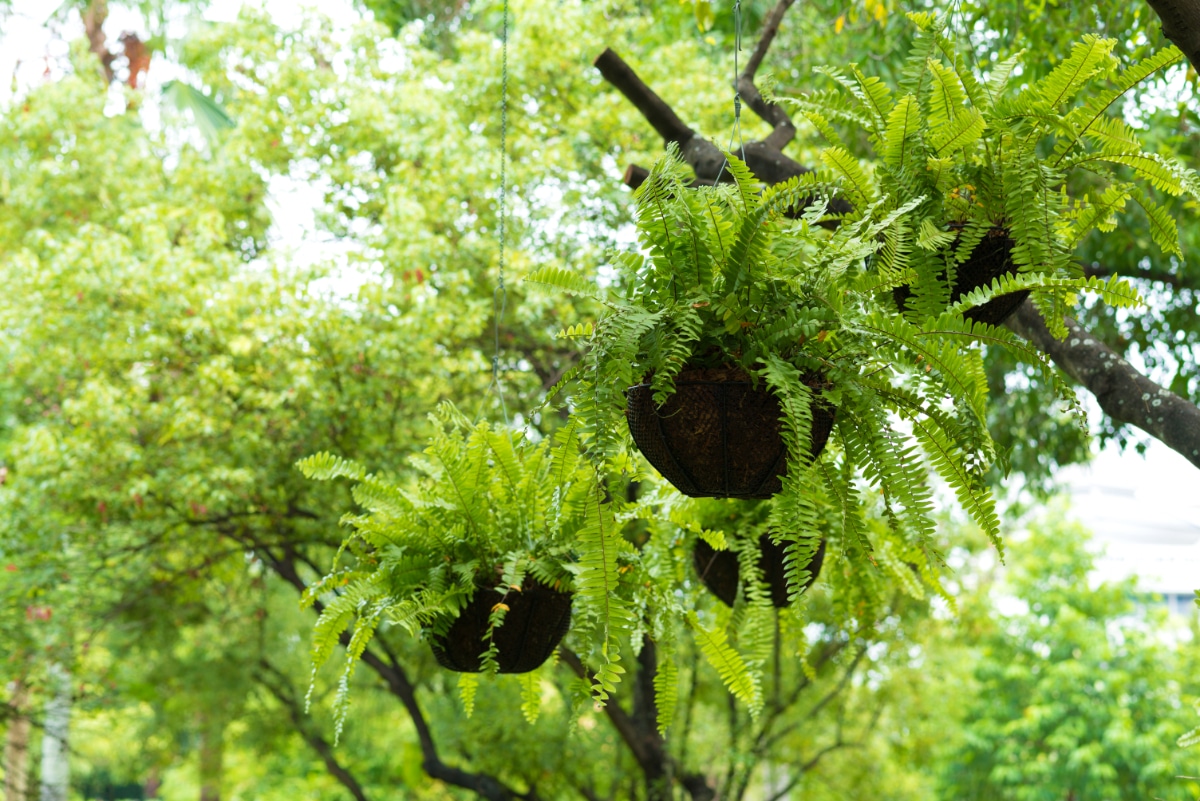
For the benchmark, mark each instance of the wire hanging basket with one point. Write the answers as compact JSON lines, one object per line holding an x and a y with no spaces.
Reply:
{"x":990,"y":259}
{"x":718,"y":570}
{"x":718,"y":436}
{"x":537,"y":619}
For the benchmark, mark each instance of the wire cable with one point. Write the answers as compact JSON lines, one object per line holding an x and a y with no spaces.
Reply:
{"x":500,"y":294}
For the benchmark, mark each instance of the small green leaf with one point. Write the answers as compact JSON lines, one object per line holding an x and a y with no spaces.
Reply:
{"x":209,"y":116}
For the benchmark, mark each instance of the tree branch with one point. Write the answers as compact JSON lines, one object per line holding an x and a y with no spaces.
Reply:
{"x":1181,"y":24}
{"x":774,"y":114}
{"x":664,"y":119}
{"x":649,"y":752}
{"x":1156,"y":274}
{"x":705,"y":158}
{"x":279,"y":686}
{"x":94,"y":15}
{"x":1125,"y":395}
{"x":397,"y":681}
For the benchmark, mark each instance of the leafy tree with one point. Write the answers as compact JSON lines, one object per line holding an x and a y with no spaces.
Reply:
{"x":1078,"y":691}
{"x":164,"y":370}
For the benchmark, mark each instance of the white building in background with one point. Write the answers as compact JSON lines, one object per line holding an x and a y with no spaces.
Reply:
{"x":1145,"y":515}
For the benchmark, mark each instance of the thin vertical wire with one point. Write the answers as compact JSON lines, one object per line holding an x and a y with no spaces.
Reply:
{"x":737,"y":94}
{"x":500,"y":294}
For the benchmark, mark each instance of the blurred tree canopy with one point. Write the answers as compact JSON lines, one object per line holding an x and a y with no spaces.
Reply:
{"x":164,"y":362}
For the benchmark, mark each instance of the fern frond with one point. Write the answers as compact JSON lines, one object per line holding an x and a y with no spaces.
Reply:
{"x":1087,"y":58}
{"x":326,"y":467}
{"x":903,"y":122}
{"x":728,"y":663}
{"x":468,"y":685}
{"x":971,"y":491}
{"x":666,"y":689}
{"x":1093,"y":113}
{"x":531,"y":695}
{"x":858,"y":186}
{"x":564,"y":280}
{"x":1162,"y":225}
{"x":963,"y":131}
{"x":946,"y":96}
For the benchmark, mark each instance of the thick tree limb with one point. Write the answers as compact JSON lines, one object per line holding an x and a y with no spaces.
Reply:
{"x":278,"y":686}
{"x":657,"y":113}
{"x":94,"y":15}
{"x":1181,"y":24}
{"x":397,"y":682}
{"x":784,"y":131}
{"x":705,"y":158}
{"x":647,"y":746}
{"x":1156,"y":274}
{"x":1125,"y":395}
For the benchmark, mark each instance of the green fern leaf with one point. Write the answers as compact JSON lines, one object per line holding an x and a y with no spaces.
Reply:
{"x":728,"y":663}
{"x":531,"y":695}
{"x":326,"y":467}
{"x":903,"y":122}
{"x":1087,"y":58}
{"x":966,"y":128}
{"x":468,"y":684}
{"x":666,"y":689}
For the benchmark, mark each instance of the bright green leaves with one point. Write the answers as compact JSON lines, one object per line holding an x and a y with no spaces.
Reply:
{"x":483,"y":505}
{"x":666,"y":692}
{"x":946,"y":96}
{"x":903,"y":122}
{"x":468,"y":686}
{"x":860,"y":188}
{"x":209,"y":116}
{"x":959,"y":133}
{"x":597,"y":582}
{"x":1089,"y":57}
{"x":326,"y":467}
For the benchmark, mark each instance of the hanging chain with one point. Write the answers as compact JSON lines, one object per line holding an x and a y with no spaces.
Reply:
{"x":737,"y":95}
{"x":500,"y":295}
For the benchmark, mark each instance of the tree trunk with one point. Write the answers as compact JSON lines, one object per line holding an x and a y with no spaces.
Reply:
{"x":153,"y":783}
{"x":55,"y":752}
{"x":16,"y":747}
{"x":212,"y":756}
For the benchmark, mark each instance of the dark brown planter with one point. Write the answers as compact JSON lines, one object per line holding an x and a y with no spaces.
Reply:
{"x":719,"y":570}
{"x":991,"y":259}
{"x":537,"y":620}
{"x":718,"y":436}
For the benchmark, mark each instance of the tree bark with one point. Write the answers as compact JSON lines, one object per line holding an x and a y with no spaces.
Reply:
{"x":94,"y":15}
{"x":212,"y":755}
{"x":644,"y":742}
{"x":16,"y":746}
{"x":1181,"y":24}
{"x":1125,"y":395}
{"x":55,"y":753}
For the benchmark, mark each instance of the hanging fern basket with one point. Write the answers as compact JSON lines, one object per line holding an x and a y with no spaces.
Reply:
{"x":537,"y":619}
{"x":990,"y":259}
{"x":719,"y":570}
{"x":719,"y":435}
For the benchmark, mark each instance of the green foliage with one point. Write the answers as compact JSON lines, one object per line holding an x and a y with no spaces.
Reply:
{"x":973,"y":159}
{"x":731,"y":280}
{"x":486,"y":508}
{"x":1078,"y":689}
